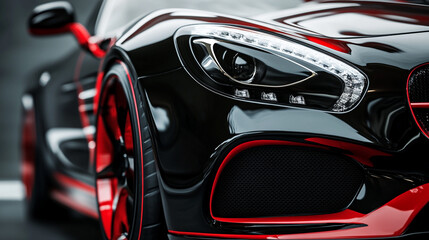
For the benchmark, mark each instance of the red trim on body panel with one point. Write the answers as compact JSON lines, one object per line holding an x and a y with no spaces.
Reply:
{"x":140,"y":139}
{"x":64,"y":199}
{"x":358,"y":152}
{"x":390,"y":220}
{"x":413,"y":105}
{"x":346,"y":216}
{"x":68,"y":198}
{"x":73,"y":183}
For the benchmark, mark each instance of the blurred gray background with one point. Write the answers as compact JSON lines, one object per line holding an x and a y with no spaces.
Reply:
{"x":20,"y":55}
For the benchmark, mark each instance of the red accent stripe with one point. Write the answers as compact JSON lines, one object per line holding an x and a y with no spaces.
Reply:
{"x":140,"y":138}
{"x":73,"y":183}
{"x":411,"y":104}
{"x":390,"y":220}
{"x":333,"y":44}
{"x":346,"y":216}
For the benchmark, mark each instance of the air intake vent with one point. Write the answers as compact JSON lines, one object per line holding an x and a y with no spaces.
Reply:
{"x":282,"y":180}
{"x":418,"y":97}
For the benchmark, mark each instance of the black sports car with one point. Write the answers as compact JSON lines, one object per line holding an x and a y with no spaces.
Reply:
{"x":307,"y":123}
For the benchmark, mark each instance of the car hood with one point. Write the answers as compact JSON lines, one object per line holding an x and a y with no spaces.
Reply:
{"x":352,"y":19}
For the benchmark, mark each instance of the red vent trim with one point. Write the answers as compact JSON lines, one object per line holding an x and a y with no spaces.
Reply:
{"x":390,"y":220}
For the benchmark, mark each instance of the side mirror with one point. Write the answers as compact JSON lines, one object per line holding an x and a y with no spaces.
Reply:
{"x":51,"y":18}
{"x":57,"y":18}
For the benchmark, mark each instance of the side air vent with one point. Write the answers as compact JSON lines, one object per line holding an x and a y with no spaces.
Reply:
{"x":280,"y":180}
{"x":418,"y":96}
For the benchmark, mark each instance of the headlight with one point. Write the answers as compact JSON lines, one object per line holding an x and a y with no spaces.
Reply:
{"x":256,"y":66}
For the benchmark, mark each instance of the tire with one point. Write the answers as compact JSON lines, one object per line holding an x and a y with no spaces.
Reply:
{"x":127,"y":190}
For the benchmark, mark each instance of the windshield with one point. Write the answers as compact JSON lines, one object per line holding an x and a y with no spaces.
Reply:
{"x":117,"y":13}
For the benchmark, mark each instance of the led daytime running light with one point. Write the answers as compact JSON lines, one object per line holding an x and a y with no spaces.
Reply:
{"x":354,"y":80}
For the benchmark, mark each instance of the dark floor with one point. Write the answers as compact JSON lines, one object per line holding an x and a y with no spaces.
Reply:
{"x":15,"y":226}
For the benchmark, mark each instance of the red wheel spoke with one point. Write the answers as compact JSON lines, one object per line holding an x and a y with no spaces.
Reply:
{"x":111,"y":118}
{"x":120,"y":226}
{"x":104,"y":151}
{"x":106,"y":192}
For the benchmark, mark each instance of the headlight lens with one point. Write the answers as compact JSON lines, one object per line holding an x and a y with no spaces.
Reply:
{"x":269,"y":68}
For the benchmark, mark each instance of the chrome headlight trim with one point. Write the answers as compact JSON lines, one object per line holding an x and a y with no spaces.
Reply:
{"x":355,"y":82}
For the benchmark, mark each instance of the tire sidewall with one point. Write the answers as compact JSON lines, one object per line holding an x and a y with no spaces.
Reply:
{"x":120,"y":73}
{"x":148,"y":220}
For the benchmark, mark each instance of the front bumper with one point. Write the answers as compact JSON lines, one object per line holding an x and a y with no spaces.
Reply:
{"x":193,"y":138}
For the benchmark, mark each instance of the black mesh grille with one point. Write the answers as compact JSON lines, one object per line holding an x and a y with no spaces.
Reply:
{"x":270,"y":181}
{"x":423,"y":117}
{"x":418,"y":91}
{"x":418,"y":85}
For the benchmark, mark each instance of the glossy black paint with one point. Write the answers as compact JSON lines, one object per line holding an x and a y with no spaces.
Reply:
{"x":52,"y":15}
{"x":193,"y":127}
{"x":192,"y":135}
